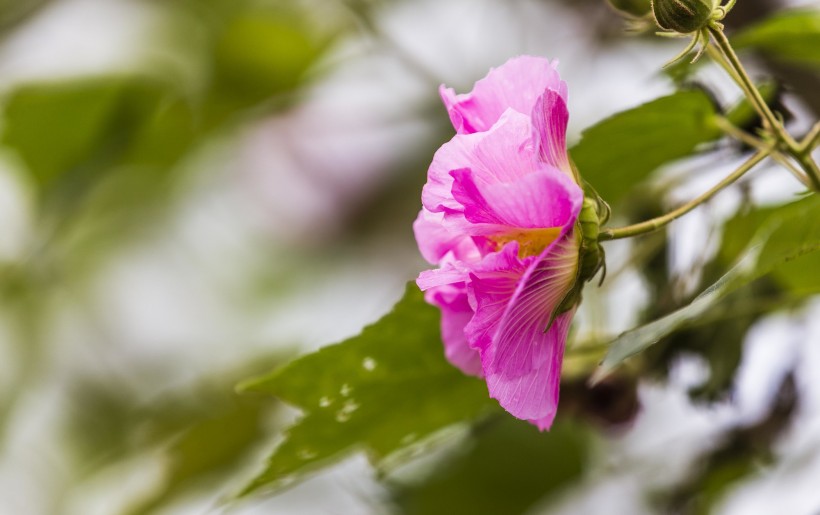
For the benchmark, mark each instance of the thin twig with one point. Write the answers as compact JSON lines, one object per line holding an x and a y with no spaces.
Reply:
{"x":656,"y":223}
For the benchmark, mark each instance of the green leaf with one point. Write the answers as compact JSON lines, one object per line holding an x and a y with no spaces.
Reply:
{"x":58,"y":127}
{"x":260,"y":54}
{"x":786,"y":241}
{"x":634,"y":8}
{"x":624,"y":149}
{"x":210,"y":448}
{"x":792,"y":36}
{"x":381,"y":391}
{"x":510,"y":467}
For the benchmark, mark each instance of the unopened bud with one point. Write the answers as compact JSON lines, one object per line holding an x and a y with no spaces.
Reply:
{"x":682,"y":16}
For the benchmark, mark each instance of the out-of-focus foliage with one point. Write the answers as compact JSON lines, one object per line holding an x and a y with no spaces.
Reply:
{"x":637,"y":8}
{"x":505,"y":455}
{"x":103,"y":157}
{"x":792,"y":36}
{"x":744,"y":451}
{"x":621,"y":151}
{"x":358,"y":394}
{"x":12,"y":12}
{"x":788,"y":238}
{"x":202,"y":431}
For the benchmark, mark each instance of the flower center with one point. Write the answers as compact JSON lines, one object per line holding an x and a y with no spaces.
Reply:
{"x":531,"y":241}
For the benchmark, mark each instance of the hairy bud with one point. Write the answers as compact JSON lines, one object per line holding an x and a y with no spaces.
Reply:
{"x":682,"y":16}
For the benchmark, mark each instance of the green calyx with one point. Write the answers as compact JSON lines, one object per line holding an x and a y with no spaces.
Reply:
{"x":683,"y":16}
{"x":591,"y":258}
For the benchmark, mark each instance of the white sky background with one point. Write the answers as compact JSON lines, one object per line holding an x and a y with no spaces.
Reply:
{"x":171,"y":299}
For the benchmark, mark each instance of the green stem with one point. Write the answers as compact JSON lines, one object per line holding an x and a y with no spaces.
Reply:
{"x":727,"y":127}
{"x":656,"y":223}
{"x":738,"y":73}
{"x":749,"y":88}
{"x":807,"y":163}
{"x":811,"y":140}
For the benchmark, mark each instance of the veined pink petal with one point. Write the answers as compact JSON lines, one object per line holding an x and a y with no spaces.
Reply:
{"x":543,"y":199}
{"x":457,"y":153}
{"x":550,"y":117}
{"x":436,"y":240}
{"x":491,"y":285}
{"x":455,"y":314}
{"x":533,"y":396}
{"x":502,"y":154}
{"x":516,"y":84}
{"x":450,"y":272}
{"x":522,"y":362}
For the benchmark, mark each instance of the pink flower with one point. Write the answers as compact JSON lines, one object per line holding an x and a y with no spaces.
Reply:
{"x":499,"y":220}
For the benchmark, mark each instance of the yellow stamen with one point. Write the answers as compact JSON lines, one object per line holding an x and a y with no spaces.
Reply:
{"x":532,"y":241}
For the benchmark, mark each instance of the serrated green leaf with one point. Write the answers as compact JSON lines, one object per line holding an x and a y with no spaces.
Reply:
{"x":792,"y":36}
{"x":622,"y":150}
{"x":788,"y":238}
{"x":381,"y":391}
{"x":510,"y":468}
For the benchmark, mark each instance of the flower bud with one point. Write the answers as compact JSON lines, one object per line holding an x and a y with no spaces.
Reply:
{"x":682,"y":16}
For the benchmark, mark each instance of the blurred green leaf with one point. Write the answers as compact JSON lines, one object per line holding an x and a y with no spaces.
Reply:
{"x":208,"y":448}
{"x":261,"y":54}
{"x":744,"y":115}
{"x":15,"y":12}
{"x":792,"y":36}
{"x":785,"y":241}
{"x":636,"y":8}
{"x":509,"y":469}
{"x":58,"y":127}
{"x":381,"y":391}
{"x":622,"y":150}
{"x":95,"y":128}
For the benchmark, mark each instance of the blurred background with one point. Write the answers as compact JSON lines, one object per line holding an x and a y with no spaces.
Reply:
{"x":195,"y":191}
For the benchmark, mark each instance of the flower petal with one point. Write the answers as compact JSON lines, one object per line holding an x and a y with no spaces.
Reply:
{"x":456,"y":153}
{"x":533,"y":395}
{"x":504,"y":153}
{"x":490,"y":287}
{"x":550,"y":118}
{"x":455,"y":314}
{"x":522,"y":361}
{"x":450,"y":272}
{"x":516,"y":84}
{"x":540,"y":200}
{"x":436,"y":240}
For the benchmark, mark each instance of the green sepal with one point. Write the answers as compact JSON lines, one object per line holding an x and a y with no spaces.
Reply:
{"x":591,"y":258}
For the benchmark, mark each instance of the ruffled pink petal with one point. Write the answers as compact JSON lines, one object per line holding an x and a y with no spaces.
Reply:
{"x":436,"y":240}
{"x":550,"y":117}
{"x":533,"y":396}
{"x":455,"y":314}
{"x":516,"y":84}
{"x":450,"y":272}
{"x":456,"y":153}
{"x":490,"y":287}
{"x":522,"y":362}
{"x":504,"y":153}
{"x":544,"y":199}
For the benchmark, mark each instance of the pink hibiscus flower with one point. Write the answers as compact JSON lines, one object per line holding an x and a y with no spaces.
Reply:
{"x":499,"y":220}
